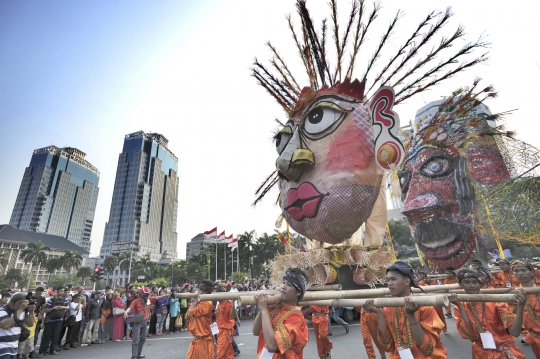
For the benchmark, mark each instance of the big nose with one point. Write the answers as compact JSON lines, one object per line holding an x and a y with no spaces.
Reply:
{"x":421,"y":202}
{"x":295,"y":160}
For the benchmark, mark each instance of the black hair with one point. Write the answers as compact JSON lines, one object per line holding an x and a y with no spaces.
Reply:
{"x":406,"y":271}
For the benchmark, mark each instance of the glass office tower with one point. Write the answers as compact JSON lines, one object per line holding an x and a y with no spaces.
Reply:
{"x":58,"y":195}
{"x":145,"y":199}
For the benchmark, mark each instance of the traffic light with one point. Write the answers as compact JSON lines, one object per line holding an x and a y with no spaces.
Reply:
{"x":93,"y":278}
{"x":98,"y":274}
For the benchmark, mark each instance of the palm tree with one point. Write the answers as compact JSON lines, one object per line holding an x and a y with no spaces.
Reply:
{"x":53,"y":264}
{"x":124,"y":259}
{"x":83,"y":273}
{"x":71,"y":259}
{"x":35,"y":253}
{"x":109,"y":264}
{"x":4,"y":260}
{"x":144,"y":266}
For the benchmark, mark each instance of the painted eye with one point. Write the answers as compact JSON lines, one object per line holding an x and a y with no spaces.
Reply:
{"x":436,"y":166}
{"x":404,"y":179}
{"x":321,"y":118}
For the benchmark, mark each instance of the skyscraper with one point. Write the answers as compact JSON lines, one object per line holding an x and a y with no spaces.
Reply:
{"x":58,"y":195}
{"x":145,"y":199}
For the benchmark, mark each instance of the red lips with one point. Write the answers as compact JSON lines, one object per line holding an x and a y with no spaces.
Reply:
{"x":303,"y":201}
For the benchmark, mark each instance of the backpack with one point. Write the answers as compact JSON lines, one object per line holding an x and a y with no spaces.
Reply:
{"x":57,"y":314}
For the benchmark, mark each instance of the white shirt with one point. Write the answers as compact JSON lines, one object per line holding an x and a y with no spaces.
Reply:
{"x":73,"y":311}
{"x":233,"y":290}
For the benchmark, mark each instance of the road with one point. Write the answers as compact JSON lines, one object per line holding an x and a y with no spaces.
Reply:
{"x":348,"y":346}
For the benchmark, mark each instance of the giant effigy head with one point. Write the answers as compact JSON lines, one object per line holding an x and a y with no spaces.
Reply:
{"x":456,"y":176}
{"x":340,"y":135}
{"x":332,"y":153}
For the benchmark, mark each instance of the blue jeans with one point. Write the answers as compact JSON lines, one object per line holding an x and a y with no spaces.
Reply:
{"x":333,"y":314}
{"x":101,"y":333}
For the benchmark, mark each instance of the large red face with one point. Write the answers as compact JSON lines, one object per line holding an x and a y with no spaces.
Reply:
{"x":330,"y":180}
{"x":439,"y":199}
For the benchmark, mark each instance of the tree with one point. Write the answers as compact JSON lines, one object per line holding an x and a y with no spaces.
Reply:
{"x":109,"y":263}
{"x":400,"y":232}
{"x":12,"y":275}
{"x":124,"y":260}
{"x":4,"y":260}
{"x":35,"y":254}
{"x":264,"y":250}
{"x":52,"y":265}
{"x":145,"y":266}
{"x":83,"y":273}
{"x":71,"y":259}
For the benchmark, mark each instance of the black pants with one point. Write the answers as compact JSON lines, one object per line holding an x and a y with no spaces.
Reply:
{"x":73,"y":333}
{"x":61,"y":336}
{"x":153,"y":322}
{"x":172,"y":327}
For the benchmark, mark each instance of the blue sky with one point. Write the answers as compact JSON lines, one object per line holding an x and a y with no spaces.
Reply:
{"x":85,"y":73}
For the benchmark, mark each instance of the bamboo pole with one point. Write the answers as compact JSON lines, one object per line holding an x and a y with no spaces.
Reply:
{"x":232,"y":296}
{"x":250,"y":300}
{"x":425,"y":301}
{"x":528,"y":290}
{"x":350,"y":294}
{"x":486,"y":298}
{"x":319,"y":294}
{"x":326,"y":287}
{"x":186,"y":295}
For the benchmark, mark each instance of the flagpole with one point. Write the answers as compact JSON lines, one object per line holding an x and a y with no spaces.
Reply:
{"x":232,"y":262}
{"x":225,"y":262}
{"x":216,"y":255}
{"x":237,"y":259}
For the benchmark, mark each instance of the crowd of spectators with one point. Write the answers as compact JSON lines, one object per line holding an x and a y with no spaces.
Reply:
{"x":67,"y":318}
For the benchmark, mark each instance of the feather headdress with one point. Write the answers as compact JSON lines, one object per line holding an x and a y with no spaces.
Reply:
{"x":407,"y":77}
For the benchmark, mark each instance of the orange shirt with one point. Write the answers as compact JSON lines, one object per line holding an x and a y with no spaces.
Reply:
{"x":492,"y":317}
{"x":398,"y":333}
{"x":223,"y":315}
{"x":291,"y":332}
{"x":531,"y":318}
{"x":500,"y":280}
{"x":320,"y":313}
{"x":450,"y":281}
{"x":199,"y":319}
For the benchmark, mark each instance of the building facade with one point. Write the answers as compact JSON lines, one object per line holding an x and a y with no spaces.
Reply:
{"x":13,"y":241}
{"x":144,"y":206}
{"x":198,"y":244}
{"x":58,"y":195}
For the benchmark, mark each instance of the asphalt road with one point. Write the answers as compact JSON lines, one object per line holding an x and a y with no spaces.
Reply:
{"x":345,"y":345}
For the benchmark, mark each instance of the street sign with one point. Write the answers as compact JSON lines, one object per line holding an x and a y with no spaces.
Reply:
{"x":140,"y":277}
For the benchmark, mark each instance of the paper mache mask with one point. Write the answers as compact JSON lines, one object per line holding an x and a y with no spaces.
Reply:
{"x":339,"y":138}
{"x":453,"y":157}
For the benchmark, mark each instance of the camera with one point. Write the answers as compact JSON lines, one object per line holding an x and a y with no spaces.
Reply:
{"x":30,"y":298}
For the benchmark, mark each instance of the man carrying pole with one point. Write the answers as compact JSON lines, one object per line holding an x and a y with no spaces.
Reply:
{"x":490,"y":326}
{"x":531,"y":321}
{"x":411,"y":331}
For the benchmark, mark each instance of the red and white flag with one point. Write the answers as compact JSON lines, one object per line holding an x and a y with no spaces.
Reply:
{"x":211,"y":234}
{"x":221,"y":236}
{"x":233,"y":242}
{"x":228,"y":239}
